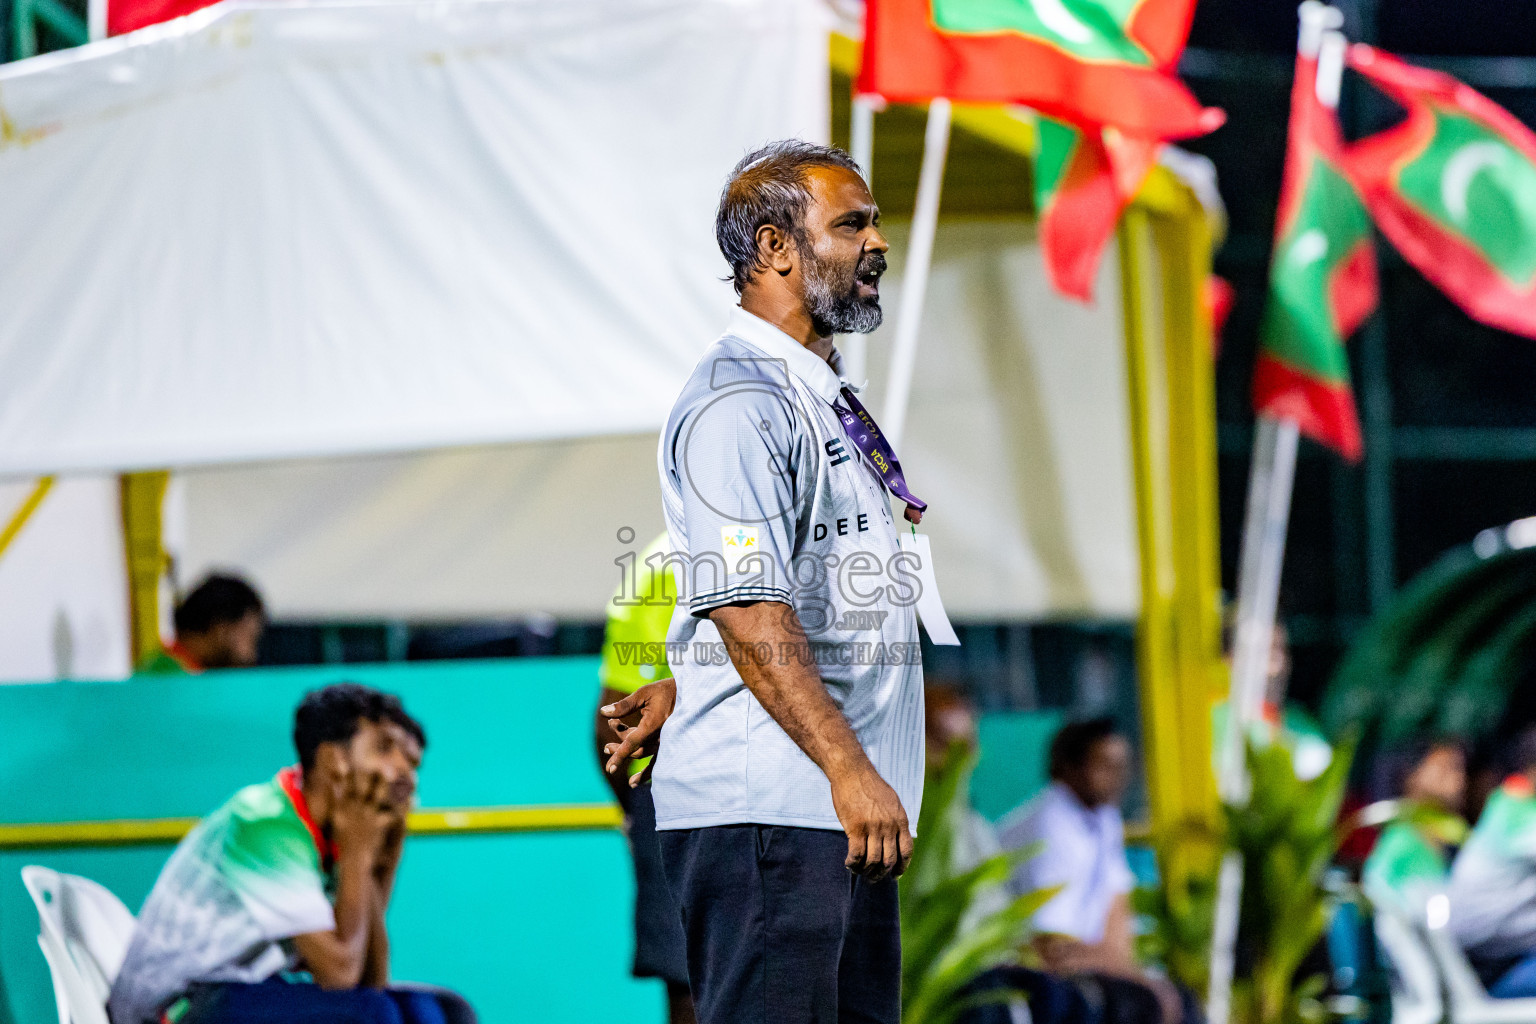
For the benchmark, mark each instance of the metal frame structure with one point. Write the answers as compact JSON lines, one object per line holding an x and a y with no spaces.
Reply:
{"x":1165,"y":260}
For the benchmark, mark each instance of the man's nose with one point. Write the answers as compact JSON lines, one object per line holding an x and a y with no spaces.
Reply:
{"x":876,"y":242}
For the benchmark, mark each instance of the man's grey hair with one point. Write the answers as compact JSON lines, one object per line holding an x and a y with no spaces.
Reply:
{"x":768,"y":186}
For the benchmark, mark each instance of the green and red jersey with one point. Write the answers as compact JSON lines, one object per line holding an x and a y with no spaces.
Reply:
{"x":251,"y":876}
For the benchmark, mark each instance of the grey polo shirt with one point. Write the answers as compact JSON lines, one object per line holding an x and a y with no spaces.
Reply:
{"x":766,"y":499}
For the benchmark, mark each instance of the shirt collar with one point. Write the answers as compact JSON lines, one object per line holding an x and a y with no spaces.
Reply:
{"x":292,"y":781}
{"x":183,"y":657}
{"x":825,"y":380}
{"x":1069,"y":798}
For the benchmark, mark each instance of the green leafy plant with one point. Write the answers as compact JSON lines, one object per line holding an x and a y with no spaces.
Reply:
{"x":939,"y":957}
{"x":1178,"y":914}
{"x":1288,"y":834}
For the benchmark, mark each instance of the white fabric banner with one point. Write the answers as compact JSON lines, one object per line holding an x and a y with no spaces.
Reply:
{"x":63,"y":584}
{"x":276,"y":230}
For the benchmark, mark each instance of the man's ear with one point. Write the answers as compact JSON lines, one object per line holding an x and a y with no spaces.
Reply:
{"x":775,"y":249}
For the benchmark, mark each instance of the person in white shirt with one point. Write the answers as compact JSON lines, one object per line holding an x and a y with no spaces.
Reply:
{"x":791,"y":769}
{"x":1087,"y":929}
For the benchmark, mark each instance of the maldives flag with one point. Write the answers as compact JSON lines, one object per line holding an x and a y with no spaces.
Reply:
{"x":1322,"y":280}
{"x":1454,"y":189}
{"x":1084,"y":177}
{"x":1101,"y":62}
{"x":127,"y":15}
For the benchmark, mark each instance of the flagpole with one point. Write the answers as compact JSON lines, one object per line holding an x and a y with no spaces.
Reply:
{"x":1272,"y":475}
{"x":861,"y":143}
{"x":914,"y":282}
{"x":1258,"y":591}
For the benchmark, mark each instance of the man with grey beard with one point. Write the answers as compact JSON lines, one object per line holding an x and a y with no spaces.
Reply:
{"x":792,"y":765}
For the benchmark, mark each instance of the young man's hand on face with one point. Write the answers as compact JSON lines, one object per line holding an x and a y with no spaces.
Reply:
{"x":362,"y":818}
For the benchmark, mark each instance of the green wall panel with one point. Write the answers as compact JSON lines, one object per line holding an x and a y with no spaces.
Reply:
{"x":1011,"y":768}
{"x":529,"y":926}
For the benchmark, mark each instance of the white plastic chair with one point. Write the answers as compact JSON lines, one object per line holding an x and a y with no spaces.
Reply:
{"x":1469,"y":1001}
{"x":1416,"y":992}
{"x":85,"y":932}
{"x":75,"y":997}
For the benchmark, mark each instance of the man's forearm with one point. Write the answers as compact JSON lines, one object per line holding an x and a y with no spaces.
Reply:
{"x":376,"y":966}
{"x":354,"y":899}
{"x":788,"y":687}
{"x":337,"y":959}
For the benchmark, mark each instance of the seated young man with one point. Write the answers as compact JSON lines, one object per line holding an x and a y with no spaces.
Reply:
{"x":1492,"y":888}
{"x":218,"y":625}
{"x":1086,"y":930}
{"x":1415,"y":853}
{"x":291,"y":875}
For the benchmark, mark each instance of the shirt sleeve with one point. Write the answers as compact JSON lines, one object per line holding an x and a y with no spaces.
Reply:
{"x":273,"y":867}
{"x":736,"y":462}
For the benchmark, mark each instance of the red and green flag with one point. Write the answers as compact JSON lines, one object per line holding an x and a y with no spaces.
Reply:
{"x":1322,"y":280}
{"x":128,"y":15}
{"x":1453,"y":187}
{"x":1098,"y":62}
{"x":1084,"y":177}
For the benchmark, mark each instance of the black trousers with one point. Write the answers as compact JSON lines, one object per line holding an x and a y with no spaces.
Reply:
{"x":778,"y":931}
{"x":281,"y":1002}
{"x":659,"y":951}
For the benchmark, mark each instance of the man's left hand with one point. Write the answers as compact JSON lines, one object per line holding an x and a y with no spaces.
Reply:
{"x":637,"y":719}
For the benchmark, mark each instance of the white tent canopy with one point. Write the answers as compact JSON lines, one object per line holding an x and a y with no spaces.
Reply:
{"x":403,"y":290}
{"x":278,"y":230}
{"x":1017,"y":438}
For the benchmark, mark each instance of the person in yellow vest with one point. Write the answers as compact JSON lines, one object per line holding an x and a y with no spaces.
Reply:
{"x":634,"y":657}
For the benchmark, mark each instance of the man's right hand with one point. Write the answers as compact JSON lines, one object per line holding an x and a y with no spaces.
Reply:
{"x":879,"y":835}
{"x":637,"y":721}
{"x":361,"y":817}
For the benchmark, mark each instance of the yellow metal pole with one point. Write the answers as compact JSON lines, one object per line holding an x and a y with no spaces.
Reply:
{"x":1164,"y":261}
{"x":1154,"y":634}
{"x":24,"y":512}
{"x":142,"y":495}
{"x":430,"y":822}
{"x":1184,"y":249}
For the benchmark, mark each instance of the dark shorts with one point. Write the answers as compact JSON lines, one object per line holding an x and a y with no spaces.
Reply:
{"x":778,"y":931}
{"x":281,"y":1002}
{"x":659,"y":951}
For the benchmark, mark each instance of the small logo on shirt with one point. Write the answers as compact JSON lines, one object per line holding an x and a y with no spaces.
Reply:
{"x":836,"y":452}
{"x":737,"y":540}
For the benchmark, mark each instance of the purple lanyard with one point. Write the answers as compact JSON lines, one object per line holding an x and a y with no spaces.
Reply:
{"x":864,"y":432}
